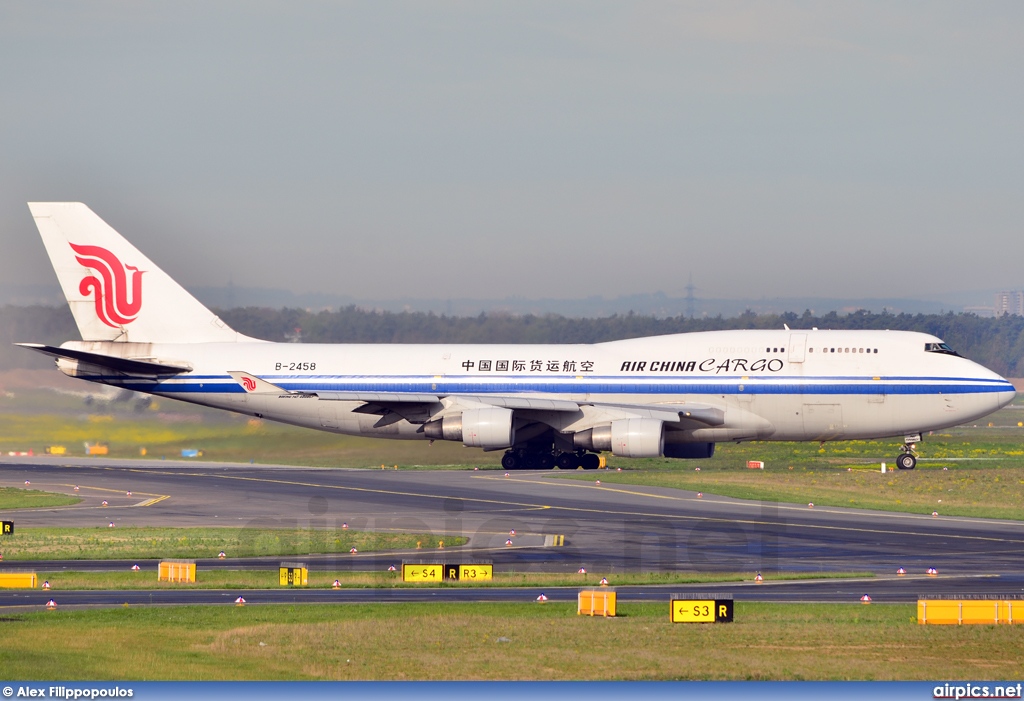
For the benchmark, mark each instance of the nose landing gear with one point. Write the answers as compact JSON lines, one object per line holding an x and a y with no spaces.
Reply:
{"x":907,"y":459}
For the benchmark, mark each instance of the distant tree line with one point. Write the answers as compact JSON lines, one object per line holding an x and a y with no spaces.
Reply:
{"x":996,"y":343}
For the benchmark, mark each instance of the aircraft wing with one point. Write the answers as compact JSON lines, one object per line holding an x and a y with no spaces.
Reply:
{"x":408,"y":404}
{"x":506,"y":401}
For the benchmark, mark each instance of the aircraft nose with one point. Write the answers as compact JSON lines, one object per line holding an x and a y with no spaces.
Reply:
{"x":1006,"y":396}
{"x":1004,"y":391}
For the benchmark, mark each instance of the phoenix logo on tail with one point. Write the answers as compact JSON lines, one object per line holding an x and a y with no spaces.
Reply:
{"x":249,"y":383}
{"x":113,"y":306}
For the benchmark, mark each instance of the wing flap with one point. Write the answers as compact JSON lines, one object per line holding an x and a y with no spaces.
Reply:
{"x":379,"y":397}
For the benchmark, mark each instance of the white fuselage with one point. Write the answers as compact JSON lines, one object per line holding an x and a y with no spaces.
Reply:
{"x":770,"y":385}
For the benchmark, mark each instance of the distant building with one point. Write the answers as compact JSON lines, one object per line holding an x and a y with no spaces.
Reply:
{"x":1009,"y":303}
{"x":985,"y":312}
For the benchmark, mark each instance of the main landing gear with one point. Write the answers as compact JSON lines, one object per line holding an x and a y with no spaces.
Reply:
{"x":907,"y":459}
{"x":523,"y":459}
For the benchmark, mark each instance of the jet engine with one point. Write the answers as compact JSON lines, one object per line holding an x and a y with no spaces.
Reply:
{"x":491,"y":428}
{"x":626,"y":438}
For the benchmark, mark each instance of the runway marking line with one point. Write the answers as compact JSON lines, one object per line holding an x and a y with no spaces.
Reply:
{"x":678,"y":517}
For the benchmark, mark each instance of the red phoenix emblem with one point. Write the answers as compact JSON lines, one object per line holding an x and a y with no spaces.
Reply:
{"x":249,"y":384}
{"x":110,"y":287}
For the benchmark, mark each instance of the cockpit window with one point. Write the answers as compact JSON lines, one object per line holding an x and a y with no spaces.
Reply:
{"x":940,"y":348}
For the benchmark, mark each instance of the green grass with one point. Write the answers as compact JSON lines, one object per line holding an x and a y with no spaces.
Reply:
{"x":500,"y":642}
{"x":124,"y":543}
{"x":15,"y":498}
{"x":221,"y":436}
{"x":268,"y":579}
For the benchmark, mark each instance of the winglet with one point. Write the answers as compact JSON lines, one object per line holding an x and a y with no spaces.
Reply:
{"x":254,"y":385}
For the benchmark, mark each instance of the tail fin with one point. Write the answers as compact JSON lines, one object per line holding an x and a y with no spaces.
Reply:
{"x":116,"y":293}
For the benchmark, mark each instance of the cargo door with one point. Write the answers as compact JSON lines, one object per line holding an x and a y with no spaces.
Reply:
{"x":797,"y":347}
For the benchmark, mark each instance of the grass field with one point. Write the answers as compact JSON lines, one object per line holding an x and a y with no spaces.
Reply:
{"x":145,"y":543}
{"x":222,"y":437}
{"x":500,"y":642}
{"x":16,"y":498}
{"x":268,"y":579}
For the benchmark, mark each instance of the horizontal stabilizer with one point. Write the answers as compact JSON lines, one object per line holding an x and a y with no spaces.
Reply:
{"x":128,"y":366}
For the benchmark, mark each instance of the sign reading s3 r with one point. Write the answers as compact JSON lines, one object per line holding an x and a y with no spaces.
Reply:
{"x":110,"y":285}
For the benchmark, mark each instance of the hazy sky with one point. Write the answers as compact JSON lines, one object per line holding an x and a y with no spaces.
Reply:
{"x":540,"y":149}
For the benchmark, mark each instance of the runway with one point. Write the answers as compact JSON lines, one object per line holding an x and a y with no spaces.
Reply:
{"x":606,"y":527}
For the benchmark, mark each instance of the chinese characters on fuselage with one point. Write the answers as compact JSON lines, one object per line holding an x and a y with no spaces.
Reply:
{"x":573,"y":366}
{"x":714,"y":366}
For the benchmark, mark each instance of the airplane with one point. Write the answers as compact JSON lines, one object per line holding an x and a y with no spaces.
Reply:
{"x":672,"y":396}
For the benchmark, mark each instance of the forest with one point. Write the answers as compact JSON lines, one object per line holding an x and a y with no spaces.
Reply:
{"x":997,"y":343}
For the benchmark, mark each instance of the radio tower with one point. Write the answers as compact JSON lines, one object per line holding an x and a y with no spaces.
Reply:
{"x":691,"y":301}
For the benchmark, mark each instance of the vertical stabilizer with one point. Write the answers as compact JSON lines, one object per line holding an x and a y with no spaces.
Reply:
{"x":116,"y":293}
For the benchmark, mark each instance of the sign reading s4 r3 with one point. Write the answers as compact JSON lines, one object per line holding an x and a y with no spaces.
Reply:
{"x":110,"y":285}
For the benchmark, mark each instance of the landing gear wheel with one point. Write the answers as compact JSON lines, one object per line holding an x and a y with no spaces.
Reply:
{"x":590,"y":461}
{"x":545,"y":461}
{"x":906,"y":461}
{"x":510,"y":461}
{"x":568,"y":461}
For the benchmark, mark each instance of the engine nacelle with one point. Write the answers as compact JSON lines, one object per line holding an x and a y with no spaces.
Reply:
{"x":489,"y":428}
{"x":597,"y":438}
{"x":689,"y":451}
{"x":627,"y":438}
{"x":638,"y":438}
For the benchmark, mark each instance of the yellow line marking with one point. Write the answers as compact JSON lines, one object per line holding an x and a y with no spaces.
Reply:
{"x":150,"y":502}
{"x":156,"y":498}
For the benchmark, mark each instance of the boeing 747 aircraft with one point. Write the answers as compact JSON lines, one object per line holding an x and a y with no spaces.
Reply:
{"x":544,"y":405}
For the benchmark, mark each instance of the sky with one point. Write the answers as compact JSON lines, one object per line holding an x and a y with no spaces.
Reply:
{"x":532,"y":149}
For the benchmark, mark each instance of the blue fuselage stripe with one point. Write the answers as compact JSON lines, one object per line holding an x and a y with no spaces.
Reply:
{"x":592,"y":385}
